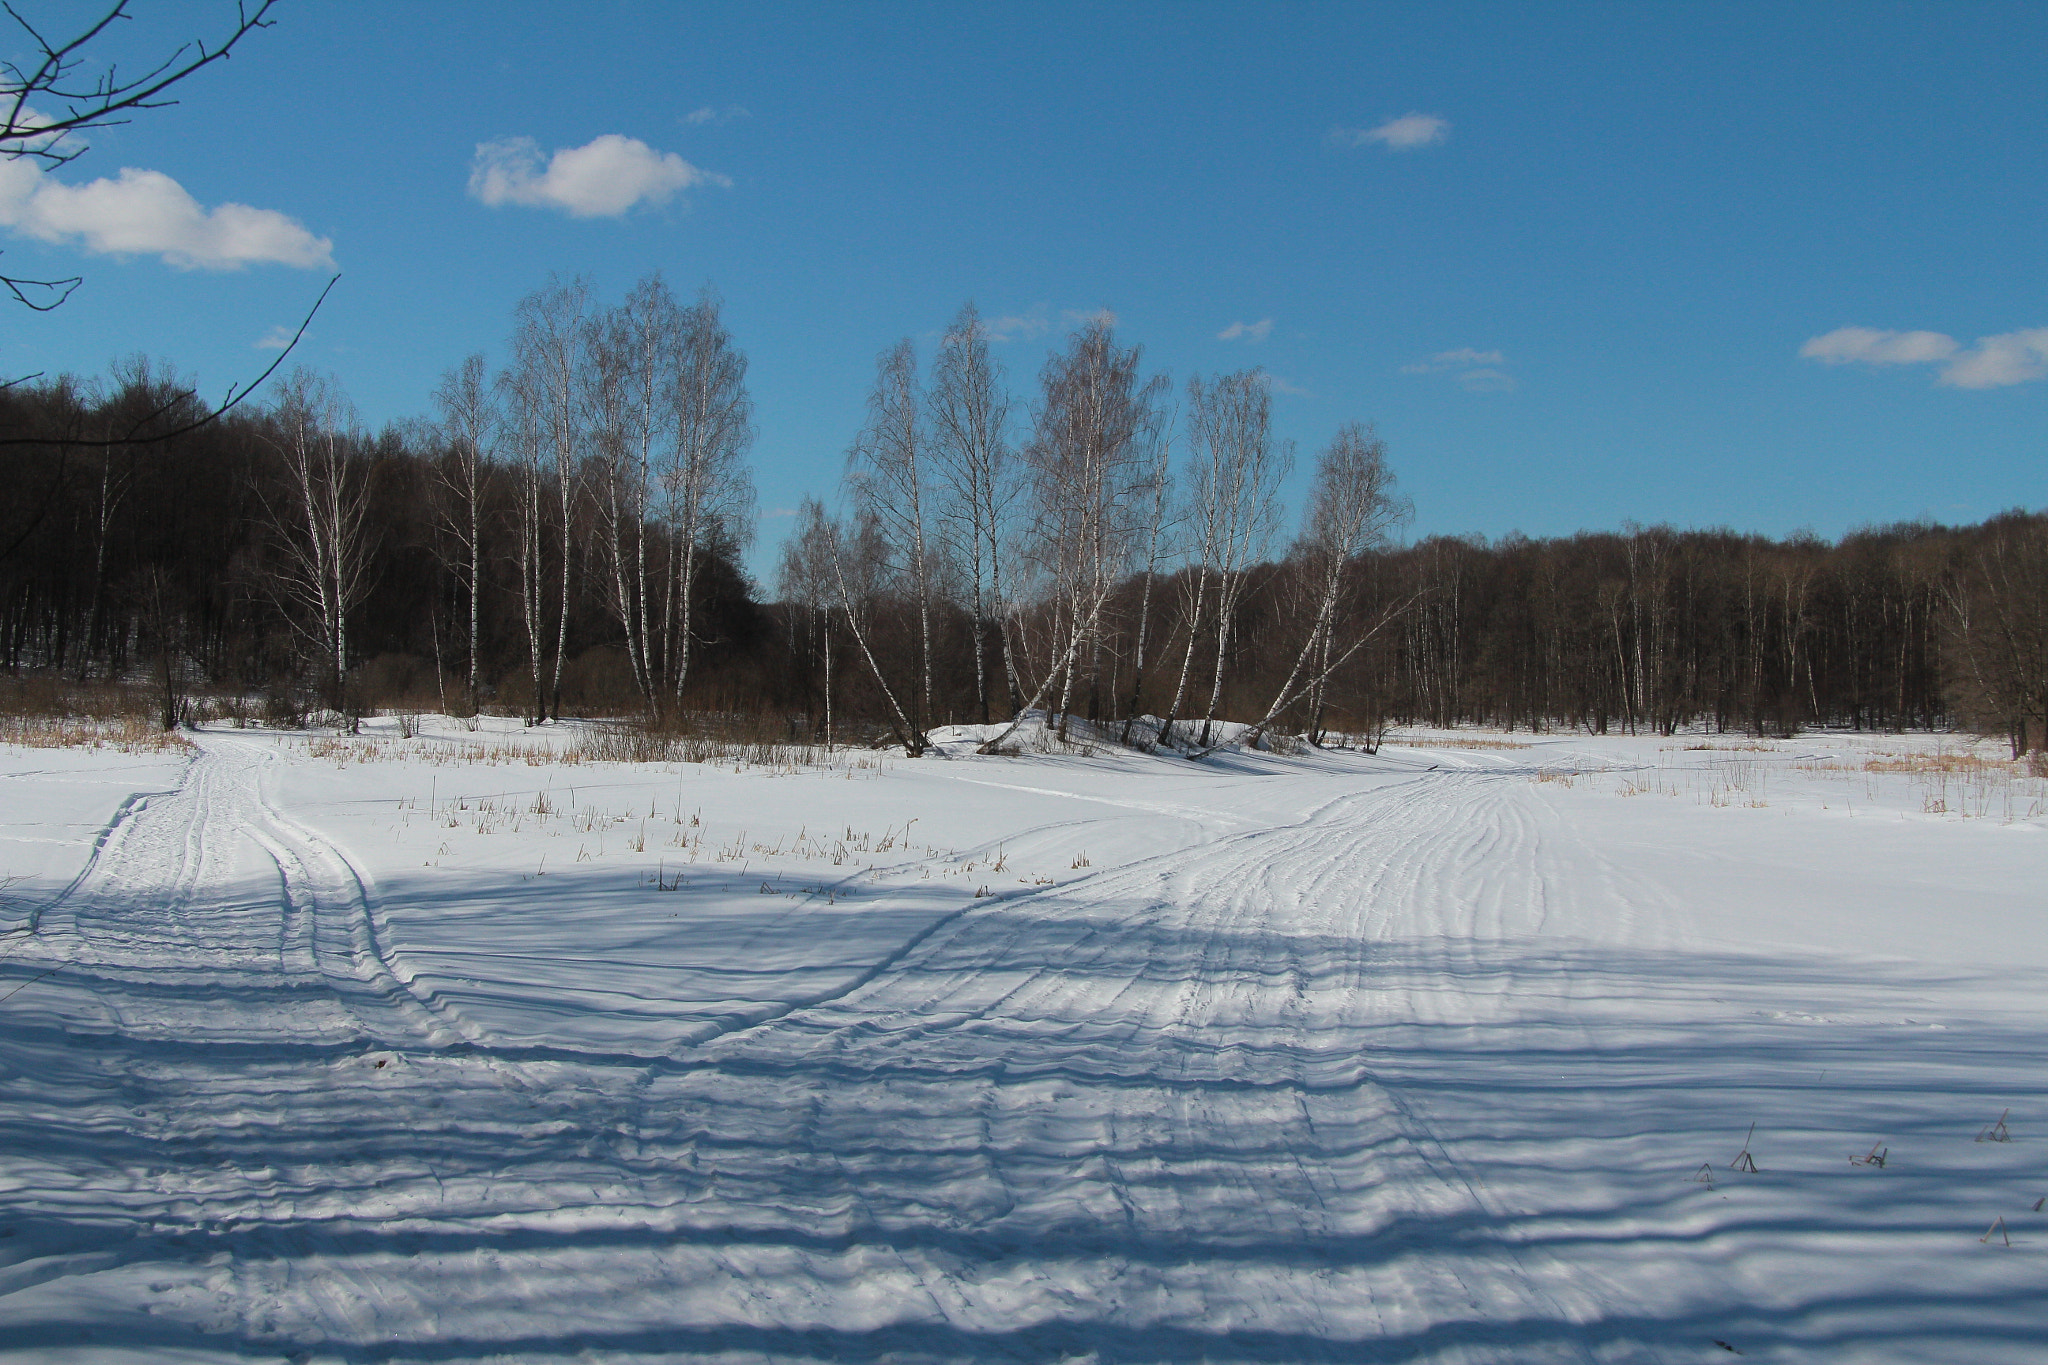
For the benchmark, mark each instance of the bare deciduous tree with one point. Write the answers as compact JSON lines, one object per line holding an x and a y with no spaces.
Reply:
{"x":638,"y":350}
{"x":82,"y":90}
{"x":319,"y":524}
{"x":887,"y":472}
{"x":860,"y":571}
{"x":468,"y":429}
{"x":1088,"y":470}
{"x":808,"y":581}
{"x":548,"y":387}
{"x":1157,"y":529}
{"x":708,"y":490}
{"x":1237,"y":468}
{"x":1350,"y":510}
{"x":970,"y":416}
{"x":1998,"y":603}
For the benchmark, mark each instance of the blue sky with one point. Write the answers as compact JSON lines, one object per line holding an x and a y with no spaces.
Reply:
{"x":1762,"y":266}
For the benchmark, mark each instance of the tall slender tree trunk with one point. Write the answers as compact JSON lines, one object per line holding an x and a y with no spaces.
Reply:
{"x":1187,"y":658}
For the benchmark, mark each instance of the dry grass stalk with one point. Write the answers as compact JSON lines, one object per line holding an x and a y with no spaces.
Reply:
{"x":126,"y":734}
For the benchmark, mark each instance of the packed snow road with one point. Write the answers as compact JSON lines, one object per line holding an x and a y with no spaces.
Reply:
{"x":1392,"y":1059}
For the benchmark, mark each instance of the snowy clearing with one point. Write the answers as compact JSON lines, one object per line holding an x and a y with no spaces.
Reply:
{"x":444,"y":1049}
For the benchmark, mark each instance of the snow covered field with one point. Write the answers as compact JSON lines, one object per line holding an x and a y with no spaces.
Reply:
{"x":442,"y":1049}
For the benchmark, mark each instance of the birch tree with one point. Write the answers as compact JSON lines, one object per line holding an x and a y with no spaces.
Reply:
{"x":550,"y":344}
{"x":808,"y":585}
{"x":319,"y":524}
{"x":1087,"y":478}
{"x":860,"y":571}
{"x":1351,"y":507}
{"x":468,"y":428}
{"x":1237,"y":471}
{"x":529,"y":519}
{"x":970,"y":415}
{"x":1998,"y":601}
{"x":707,"y":489}
{"x":1157,"y":528}
{"x":616,"y":481}
{"x":888,"y":473}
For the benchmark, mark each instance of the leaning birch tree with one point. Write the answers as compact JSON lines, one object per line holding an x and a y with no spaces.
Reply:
{"x":1087,"y":472}
{"x":1351,"y":507}
{"x":887,"y":472}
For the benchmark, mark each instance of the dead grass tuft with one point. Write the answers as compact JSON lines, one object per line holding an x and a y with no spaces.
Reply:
{"x":1941,"y":761}
{"x":1461,"y":742}
{"x":126,"y":734}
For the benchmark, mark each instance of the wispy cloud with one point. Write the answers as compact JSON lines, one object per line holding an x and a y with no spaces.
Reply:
{"x":1402,"y":134}
{"x":1029,"y":325}
{"x":1279,"y":385}
{"x":603,"y":178}
{"x":1035,"y":321}
{"x":1461,"y":358}
{"x":1247,"y":331}
{"x":276,"y":339}
{"x":1477,"y":371}
{"x":1992,"y":362}
{"x":713,"y":115}
{"x":147,"y":213}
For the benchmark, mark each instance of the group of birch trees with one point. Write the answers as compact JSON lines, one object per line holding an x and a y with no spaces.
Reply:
{"x":1101,"y":546}
{"x":622,"y":434}
{"x":602,"y":474}
{"x":1031,"y":533}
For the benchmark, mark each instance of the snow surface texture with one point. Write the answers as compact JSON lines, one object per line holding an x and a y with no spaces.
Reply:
{"x":435,"y":1049}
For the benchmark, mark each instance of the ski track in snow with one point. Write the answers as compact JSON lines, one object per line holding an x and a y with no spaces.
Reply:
{"x":1294,"y":1093}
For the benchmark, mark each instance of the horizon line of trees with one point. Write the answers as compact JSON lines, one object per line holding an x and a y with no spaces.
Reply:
{"x":565,"y":536}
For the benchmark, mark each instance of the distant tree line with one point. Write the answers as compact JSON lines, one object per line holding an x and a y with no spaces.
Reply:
{"x":566,"y":537}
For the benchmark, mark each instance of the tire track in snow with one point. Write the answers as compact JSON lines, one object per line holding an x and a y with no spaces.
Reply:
{"x":1136,"y":1107}
{"x":217,"y":999}
{"x":1173,"y":1051}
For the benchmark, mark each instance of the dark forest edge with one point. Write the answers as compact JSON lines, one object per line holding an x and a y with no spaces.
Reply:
{"x":566,"y":538}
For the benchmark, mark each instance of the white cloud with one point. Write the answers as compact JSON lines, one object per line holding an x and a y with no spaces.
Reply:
{"x":1453,"y":360}
{"x":1079,"y":317}
{"x":1868,"y":346}
{"x":1402,"y":134}
{"x":1992,"y":362}
{"x":148,"y":213}
{"x":601,"y":179}
{"x":276,"y":339}
{"x":1249,"y":331}
{"x":1487,"y":381}
{"x":1279,"y":385}
{"x":714,"y":115}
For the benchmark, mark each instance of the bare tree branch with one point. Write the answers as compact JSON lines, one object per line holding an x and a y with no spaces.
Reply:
{"x":235,"y":396}
{"x":26,"y":132}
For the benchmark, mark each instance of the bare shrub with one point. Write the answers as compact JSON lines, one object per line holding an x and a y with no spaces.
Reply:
{"x":284,"y":710}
